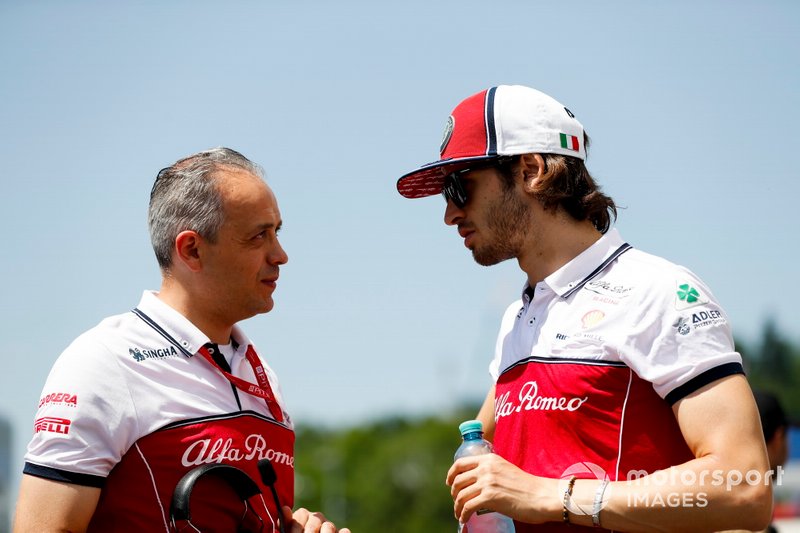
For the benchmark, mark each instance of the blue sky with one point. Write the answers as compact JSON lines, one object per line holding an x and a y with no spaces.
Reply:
{"x":692,"y":107}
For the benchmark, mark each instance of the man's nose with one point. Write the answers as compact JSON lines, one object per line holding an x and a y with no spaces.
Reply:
{"x":452,"y":213}
{"x":278,"y":256}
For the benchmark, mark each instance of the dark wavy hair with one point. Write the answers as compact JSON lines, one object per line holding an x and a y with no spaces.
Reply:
{"x":568,"y":184}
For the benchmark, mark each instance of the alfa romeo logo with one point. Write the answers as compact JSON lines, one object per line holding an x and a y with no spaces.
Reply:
{"x":448,"y":132}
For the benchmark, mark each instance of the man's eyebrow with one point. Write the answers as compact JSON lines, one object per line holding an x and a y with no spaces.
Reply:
{"x":270,"y":225}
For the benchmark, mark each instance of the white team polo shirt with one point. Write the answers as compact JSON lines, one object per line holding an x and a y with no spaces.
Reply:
{"x":588,"y":364}
{"x":130,"y":406}
{"x":618,"y":304}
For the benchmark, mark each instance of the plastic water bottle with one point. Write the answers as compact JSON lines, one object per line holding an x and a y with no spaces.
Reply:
{"x":474,"y":444}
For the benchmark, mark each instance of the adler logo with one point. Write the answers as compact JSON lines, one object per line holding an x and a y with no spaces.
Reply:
{"x":140,"y":354}
{"x":51,"y":424}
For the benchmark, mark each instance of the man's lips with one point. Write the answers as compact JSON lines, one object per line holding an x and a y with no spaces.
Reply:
{"x":466,"y":233}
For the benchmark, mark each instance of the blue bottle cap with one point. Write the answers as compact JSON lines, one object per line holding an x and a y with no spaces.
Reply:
{"x":470,"y":426}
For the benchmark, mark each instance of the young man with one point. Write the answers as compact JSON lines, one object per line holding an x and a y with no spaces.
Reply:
{"x":619,"y":401}
{"x":174,"y":386}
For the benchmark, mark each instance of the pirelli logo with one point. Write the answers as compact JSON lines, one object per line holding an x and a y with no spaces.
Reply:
{"x":52,"y":424}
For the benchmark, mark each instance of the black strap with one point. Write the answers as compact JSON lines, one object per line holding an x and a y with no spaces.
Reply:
{"x":243,"y":484}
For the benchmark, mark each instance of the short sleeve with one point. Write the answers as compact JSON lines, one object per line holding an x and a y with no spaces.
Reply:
{"x":85,"y":420}
{"x":679,"y":337}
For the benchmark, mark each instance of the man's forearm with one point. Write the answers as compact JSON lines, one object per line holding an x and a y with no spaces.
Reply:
{"x":697,"y":496}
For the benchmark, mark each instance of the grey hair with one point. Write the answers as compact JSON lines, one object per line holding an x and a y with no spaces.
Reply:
{"x":185,"y":197}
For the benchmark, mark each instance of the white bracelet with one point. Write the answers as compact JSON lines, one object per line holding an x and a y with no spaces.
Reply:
{"x":598,"y":502}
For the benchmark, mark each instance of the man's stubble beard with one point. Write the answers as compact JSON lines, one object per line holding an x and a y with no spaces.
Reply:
{"x":508,"y":223}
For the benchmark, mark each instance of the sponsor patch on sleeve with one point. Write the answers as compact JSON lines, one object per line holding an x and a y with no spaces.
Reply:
{"x":700,"y":318}
{"x":687,"y":295}
{"x":52,"y":424}
{"x":59,"y":398}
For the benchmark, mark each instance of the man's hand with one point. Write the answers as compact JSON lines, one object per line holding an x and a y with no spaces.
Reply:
{"x":304,"y":521}
{"x":490,"y":482}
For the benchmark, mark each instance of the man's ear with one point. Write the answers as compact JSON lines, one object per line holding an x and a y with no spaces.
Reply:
{"x":187,"y":249}
{"x":778,"y":439}
{"x":533,"y":170}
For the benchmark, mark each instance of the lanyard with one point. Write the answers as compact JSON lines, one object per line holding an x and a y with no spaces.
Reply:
{"x":262,"y":390}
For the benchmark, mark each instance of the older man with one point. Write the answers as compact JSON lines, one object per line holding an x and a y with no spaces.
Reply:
{"x":175,"y":386}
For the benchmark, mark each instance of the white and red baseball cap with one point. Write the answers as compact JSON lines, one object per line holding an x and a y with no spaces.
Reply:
{"x":501,"y":121}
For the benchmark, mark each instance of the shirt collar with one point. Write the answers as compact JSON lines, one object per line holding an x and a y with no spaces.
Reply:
{"x":587,"y":264}
{"x":170,"y":322}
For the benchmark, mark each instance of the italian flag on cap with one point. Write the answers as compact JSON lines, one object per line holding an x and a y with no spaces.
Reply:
{"x":570,"y":142}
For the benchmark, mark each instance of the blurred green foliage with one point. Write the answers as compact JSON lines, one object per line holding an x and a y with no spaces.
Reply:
{"x":773,"y":364}
{"x":387,"y":476}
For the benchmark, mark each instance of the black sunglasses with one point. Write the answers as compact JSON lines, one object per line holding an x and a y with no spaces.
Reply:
{"x":453,"y":189}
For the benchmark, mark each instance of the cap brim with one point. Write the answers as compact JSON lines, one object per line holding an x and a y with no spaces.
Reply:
{"x":428,"y":180}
